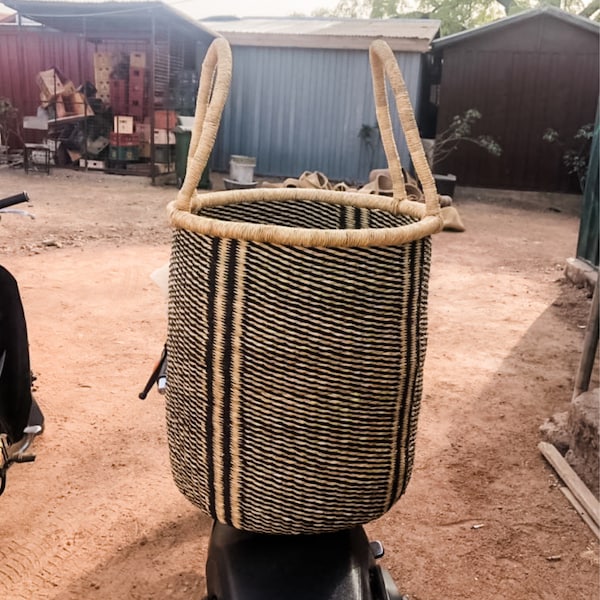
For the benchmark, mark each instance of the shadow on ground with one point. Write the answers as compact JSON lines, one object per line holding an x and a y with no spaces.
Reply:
{"x":182,"y":542}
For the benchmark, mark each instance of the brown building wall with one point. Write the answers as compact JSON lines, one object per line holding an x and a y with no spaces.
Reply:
{"x":523,"y":78}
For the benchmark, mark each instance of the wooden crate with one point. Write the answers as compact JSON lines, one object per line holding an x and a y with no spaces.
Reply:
{"x":103,"y":91}
{"x":123,"y":124}
{"x":102,"y":79}
{"x":124,"y":139}
{"x":119,"y":95}
{"x":124,"y":153}
{"x":76,"y":105}
{"x":50,"y":82}
{"x":143,"y":130}
{"x":137,"y":92}
{"x":103,"y":60}
{"x":165,"y":119}
{"x":137,"y":107}
{"x":163,"y":137}
{"x":137,"y":59}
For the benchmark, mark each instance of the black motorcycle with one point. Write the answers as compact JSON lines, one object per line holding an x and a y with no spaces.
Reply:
{"x":242,"y":565}
{"x":21,"y":419}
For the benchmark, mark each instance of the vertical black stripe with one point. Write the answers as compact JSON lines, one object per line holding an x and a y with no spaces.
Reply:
{"x":210,"y":344}
{"x":357,"y":222}
{"x":416,"y":287}
{"x":421,"y":330}
{"x":405,"y":362}
{"x":342,"y":218}
{"x":227,"y":366}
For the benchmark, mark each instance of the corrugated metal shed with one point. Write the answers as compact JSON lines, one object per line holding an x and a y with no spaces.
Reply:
{"x":106,"y":20}
{"x":588,"y":243}
{"x":301,"y":92}
{"x":24,"y":51}
{"x":73,"y":31}
{"x":525,"y":73}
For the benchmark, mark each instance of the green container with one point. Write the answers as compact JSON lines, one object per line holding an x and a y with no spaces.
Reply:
{"x":183,"y":136}
{"x":124,"y":153}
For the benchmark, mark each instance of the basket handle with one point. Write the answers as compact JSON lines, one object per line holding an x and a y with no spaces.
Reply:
{"x":215,"y":80}
{"x":384,"y":63}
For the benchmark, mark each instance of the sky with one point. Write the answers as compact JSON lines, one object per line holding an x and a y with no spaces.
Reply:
{"x":250,"y":8}
{"x":200,"y":9}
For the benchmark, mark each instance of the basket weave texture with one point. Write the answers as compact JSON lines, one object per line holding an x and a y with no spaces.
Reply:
{"x":296,"y":342}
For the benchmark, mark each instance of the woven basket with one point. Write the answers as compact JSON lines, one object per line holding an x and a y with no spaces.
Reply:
{"x":297,"y":333}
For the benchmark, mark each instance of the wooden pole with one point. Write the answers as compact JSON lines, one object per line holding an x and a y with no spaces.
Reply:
{"x":590,"y":346}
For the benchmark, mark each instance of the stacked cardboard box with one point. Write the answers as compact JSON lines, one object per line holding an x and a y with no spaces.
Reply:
{"x":123,"y":124}
{"x":103,"y":65}
{"x":51,"y":84}
{"x":162,"y":135}
{"x":59,"y":95}
{"x":124,"y":147}
{"x":137,"y":92}
{"x":165,"y":119}
{"x":119,"y":96}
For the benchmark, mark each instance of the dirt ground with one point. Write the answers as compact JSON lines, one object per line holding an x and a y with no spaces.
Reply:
{"x":98,"y":515}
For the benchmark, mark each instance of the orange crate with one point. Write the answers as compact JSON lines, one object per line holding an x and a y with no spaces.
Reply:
{"x":165,"y":119}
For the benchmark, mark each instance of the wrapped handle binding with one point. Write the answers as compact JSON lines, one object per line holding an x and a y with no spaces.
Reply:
{"x":383,"y":62}
{"x":215,"y":80}
{"x":185,"y":211}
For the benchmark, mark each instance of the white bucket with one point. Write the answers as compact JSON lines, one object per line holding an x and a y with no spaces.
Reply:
{"x":241,"y":168}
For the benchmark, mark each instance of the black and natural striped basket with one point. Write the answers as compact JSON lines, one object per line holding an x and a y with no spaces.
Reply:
{"x":297,"y":333}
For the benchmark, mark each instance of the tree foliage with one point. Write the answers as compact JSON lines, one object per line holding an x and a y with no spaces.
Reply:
{"x":576,"y":151}
{"x":455,"y":15}
{"x":460,"y":131}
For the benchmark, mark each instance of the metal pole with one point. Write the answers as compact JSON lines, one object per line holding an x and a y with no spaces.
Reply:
{"x":151,"y":99}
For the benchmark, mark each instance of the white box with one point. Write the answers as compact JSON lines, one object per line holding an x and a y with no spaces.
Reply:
{"x":123,"y":124}
{"x":163,"y":137}
{"x":92,"y":164}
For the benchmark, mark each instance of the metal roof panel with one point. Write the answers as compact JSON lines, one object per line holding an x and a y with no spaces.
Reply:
{"x":456,"y":38}
{"x":108,"y":19}
{"x":402,"y":34}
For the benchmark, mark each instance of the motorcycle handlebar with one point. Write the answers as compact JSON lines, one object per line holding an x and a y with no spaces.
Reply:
{"x":12,"y":200}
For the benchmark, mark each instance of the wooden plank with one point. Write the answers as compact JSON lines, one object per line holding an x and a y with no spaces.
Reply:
{"x":590,"y":346}
{"x":574,"y":483}
{"x":581,"y":511}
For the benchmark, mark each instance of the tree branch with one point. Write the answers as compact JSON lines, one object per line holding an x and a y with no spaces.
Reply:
{"x":590,"y":9}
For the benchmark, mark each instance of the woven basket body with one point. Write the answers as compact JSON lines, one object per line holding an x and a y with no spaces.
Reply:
{"x":295,"y":374}
{"x":296,"y":342}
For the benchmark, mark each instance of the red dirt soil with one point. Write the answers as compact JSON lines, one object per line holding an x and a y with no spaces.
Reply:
{"x":98,"y":515}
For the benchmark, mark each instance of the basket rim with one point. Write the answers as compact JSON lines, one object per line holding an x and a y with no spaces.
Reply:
{"x":182,"y":216}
